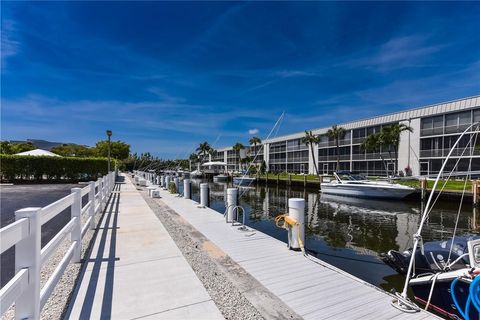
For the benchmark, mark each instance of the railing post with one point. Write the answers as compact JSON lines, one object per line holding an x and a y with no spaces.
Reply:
{"x":91,"y":198}
{"x":76,"y":235}
{"x":102,"y":192}
{"x":27,"y":255}
{"x":99,"y":180}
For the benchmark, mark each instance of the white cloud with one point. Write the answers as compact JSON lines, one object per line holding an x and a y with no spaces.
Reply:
{"x":253,"y":131}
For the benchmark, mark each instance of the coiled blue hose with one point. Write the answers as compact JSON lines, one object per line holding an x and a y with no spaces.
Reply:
{"x":473,"y":297}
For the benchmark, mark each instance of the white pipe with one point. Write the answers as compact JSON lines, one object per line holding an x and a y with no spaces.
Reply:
{"x":204,"y":195}
{"x":187,"y":189}
{"x":296,"y":210}
{"x":231,"y":202}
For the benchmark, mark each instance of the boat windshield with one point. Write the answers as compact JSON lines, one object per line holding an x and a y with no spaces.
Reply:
{"x":352,"y":177}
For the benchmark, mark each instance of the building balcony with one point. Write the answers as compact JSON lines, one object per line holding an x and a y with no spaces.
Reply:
{"x":275,"y":161}
{"x":297,"y":148}
{"x":431,"y":131}
{"x":300,"y":159}
{"x":457,"y":152}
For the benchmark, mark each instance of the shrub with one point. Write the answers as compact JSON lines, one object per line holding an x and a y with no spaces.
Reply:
{"x":28,"y":168}
{"x":172,"y":187}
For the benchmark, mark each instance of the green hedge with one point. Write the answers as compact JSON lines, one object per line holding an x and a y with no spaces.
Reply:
{"x":28,"y":168}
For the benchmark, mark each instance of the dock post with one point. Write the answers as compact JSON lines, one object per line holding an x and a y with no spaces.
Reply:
{"x":266,"y":176}
{"x":27,"y":255}
{"x":204,"y":195}
{"x":100,"y":192}
{"x":278,"y":178}
{"x":304,"y":180}
{"x":232,"y":196}
{"x":76,"y":212}
{"x":475,"y":186}
{"x":320,"y":181}
{"x":187,"y":189}
{"x":296,"y":235}
{"x":423,"y":188}
{"x":91,"y":199}
{"x":289,"y":179}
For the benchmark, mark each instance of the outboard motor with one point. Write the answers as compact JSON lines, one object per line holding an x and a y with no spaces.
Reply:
{"x":433,"y":258}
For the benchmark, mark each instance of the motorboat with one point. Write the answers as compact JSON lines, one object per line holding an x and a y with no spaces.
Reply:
{"x":221,"y":178}
{"x":455,"y":293}
{"x":196,"y":174}
{"x":351,"y":185}
{"x":243,"y":181}
{"x":433,"y":257}
{"x":451,"y":293}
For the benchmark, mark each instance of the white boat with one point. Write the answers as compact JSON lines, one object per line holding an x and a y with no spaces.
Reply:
{"x":350,"y":185}
{"x":220,"y":178}
{"x":243,"y":181}
{"x":196,"y":174}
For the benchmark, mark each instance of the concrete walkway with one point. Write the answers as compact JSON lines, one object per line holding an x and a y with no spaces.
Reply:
{"x":135,"y":270}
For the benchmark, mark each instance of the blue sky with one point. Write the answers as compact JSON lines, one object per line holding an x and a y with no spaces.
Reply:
{"x":166,"y":76}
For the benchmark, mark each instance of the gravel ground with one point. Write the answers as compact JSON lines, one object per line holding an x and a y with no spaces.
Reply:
{"x":225,"y":281}
{"x":58,"y":302}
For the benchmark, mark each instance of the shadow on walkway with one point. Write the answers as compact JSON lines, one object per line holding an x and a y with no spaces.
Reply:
{"x":101,"y":258}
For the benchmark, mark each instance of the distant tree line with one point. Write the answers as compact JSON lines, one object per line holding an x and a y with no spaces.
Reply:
{"x":145,"y":161}
{"x":118,"y":149}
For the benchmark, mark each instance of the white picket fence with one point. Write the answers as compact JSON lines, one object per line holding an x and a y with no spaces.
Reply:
{"x":23,"y":289}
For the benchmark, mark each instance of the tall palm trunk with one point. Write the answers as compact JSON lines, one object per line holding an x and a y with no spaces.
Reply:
{"x":383,"y":161}
{"x":314,"y":162}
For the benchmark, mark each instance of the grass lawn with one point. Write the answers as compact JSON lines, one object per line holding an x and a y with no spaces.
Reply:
{"x":284,"y":176}
{"x":454,"y":185}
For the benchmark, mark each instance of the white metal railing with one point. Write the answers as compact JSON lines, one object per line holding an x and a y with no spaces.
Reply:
{"x":23,"y":289}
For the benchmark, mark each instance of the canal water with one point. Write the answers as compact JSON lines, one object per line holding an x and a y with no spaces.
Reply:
{"x":349,"y":233}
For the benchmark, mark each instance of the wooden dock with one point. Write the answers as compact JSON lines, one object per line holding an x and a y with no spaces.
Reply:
{"x":312,"y":289}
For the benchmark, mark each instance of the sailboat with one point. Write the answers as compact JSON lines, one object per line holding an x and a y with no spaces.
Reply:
{"x":452,"y":293}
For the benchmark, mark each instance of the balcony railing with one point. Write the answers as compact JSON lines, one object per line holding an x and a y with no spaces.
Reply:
{"x":297,"y":148}
{"x":457,"y":152}
{"x":275,"y":161}
{"x":298,"y":159}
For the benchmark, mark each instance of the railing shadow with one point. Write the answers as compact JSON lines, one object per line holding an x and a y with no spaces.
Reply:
{"x":106,"y":230}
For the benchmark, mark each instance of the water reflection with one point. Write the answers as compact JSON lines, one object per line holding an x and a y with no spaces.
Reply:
{"x":349,"y":233}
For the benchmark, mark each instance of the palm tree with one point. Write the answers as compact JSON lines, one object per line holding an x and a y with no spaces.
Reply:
{"x":373,"y":143}
{"x":193,"y":158}
{"x":255,"y":141}
{"x":203,"y":149}
{"x":237,"y":147}
{"x":392,"y":135}
{"x":336,"y":133}
{"x":310,"y":139}
{"x":212,"y":152}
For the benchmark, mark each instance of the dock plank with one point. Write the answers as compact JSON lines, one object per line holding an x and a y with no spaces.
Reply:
{"x":289,"y":275}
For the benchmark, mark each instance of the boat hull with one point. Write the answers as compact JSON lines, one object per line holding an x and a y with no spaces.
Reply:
{"x":243,"y":181}
{"x":379,"y":192}
{"x":441,"y":300}
{"x":220,"y":178}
